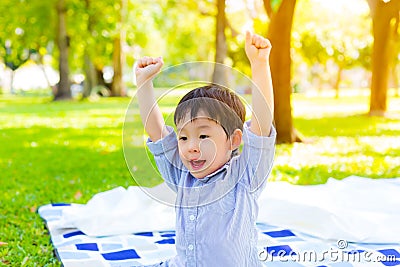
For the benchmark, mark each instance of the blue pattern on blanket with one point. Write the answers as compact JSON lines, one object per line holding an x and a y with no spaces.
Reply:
{"x":145,"y":234}
{"x":121,"y":255}
{"x":166,"y":241}
{"x":87,"y":246}
{"x":75,"y":233}
{"x":277,"y":247}
{"x":280,"y":250}
{"x":281,"y":233}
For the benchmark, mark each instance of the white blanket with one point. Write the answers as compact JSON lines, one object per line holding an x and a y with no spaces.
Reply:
{"x":355,"y":209}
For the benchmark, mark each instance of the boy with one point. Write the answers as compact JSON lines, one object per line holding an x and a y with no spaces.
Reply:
{"x":217,"y":189}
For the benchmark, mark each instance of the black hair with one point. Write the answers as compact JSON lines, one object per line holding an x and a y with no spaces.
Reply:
{"x":219,"y":103}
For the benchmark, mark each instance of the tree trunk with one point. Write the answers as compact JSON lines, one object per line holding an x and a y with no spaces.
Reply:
{"x":220,"y":75}
{"x":117,"y":86}
{"x":382,"y":16}
{"x":90,"y":76}
{"x":90,"y":72}
{"x":100,"y":77}
{"x":12,"y":82}
{"x":322,"y":79}
{"x":337,"y":82}
{"x":396,"y":84}
{"x":279,"y":33}
{"x":42,"y":67}
{"x":63,"y":89}
{"x":395,"y":61}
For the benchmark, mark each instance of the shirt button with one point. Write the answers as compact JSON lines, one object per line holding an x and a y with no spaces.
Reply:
{"x":190,"y":247}
{"x":192,"y":217}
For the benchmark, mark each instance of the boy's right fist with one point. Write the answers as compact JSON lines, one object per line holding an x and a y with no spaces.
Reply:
{"x":147,"y":68}
{"x":257,"y":48}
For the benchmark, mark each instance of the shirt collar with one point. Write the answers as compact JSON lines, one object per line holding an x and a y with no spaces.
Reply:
{"x":208,"y":177}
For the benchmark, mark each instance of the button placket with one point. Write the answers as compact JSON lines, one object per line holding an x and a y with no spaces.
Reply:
{"x":193,"y":202}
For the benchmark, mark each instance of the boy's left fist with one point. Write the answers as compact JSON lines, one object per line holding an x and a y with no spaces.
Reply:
{"x":257,"y":48}
{"x":147,"y":68}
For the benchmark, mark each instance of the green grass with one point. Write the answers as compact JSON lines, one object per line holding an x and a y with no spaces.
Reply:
{"x":69,"y":151}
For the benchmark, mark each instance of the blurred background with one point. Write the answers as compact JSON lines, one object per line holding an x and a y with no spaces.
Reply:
{"x":66,"y":80}
{"x":75,"y":48}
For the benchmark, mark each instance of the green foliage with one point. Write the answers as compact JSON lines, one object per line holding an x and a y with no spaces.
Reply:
{"x":322,"y":35}
{"x":318,"y":48}
{"x":177,"y":30}
{"x":312,"y":48}
{"x":24,"y":30}
{"x":93,"y":32}
{"x":365,"y":58}
{"x":188,"y":35}
{"x":275,"y":4}
{"x":69,"y":151}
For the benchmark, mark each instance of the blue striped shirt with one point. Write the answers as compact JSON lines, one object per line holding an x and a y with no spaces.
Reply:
{"x":216,"y":215}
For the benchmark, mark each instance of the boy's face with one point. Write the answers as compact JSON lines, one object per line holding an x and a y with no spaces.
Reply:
{"x":203,"y":145}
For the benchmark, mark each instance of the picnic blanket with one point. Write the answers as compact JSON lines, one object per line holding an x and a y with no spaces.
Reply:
{"x":349,"y":222}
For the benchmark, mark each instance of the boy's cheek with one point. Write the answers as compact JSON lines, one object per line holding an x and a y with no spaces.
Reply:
{"x":208,"y":145}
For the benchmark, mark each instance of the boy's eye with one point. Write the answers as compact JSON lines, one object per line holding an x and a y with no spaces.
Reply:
{"x":203,"y":136}
{"x":183,"y":138}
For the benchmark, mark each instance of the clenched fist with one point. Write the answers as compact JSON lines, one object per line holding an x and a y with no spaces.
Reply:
{"x":147,"y":68}
{"x":257,"y":48}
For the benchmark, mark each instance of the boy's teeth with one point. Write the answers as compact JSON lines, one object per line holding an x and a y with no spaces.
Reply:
{"x":197,"y":163}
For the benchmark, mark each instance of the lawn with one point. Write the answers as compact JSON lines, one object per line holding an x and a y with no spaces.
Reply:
{"x":69,"y":151}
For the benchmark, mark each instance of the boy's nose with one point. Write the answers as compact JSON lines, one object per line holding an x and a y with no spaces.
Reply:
{"x":194,"y":147}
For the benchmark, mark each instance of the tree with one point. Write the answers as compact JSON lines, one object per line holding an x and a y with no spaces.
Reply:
{"x":279,"y":33}
{"x":220,"y":75}
{"x":14,"y":58}
{"x":346,"y":56}
{"x":99,"y":23}
{"x":314,"y":53}
{"x":117,"y":86}
{"x":396,"y":58}
{"x":90,"y":72}
{"x":384,"y":16}
{"x":24,"y":31}
{"x":63,"y":90}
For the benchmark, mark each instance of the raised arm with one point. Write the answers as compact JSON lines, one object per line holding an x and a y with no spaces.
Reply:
{"x":257,"y":51}
{"x":152,"y":119}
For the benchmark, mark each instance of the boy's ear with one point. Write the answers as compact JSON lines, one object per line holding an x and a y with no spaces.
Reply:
{"x":236,"y":139}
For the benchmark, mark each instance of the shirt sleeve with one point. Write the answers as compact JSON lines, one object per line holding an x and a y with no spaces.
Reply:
{"x":255,"y":162}
{"x":166,"y":156}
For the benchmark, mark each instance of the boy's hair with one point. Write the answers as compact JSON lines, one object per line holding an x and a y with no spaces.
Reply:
{"x":219,"y":103}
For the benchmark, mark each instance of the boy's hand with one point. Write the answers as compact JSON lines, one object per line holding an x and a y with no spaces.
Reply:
{"x":147,"y":68}
{"x":257,"y":48}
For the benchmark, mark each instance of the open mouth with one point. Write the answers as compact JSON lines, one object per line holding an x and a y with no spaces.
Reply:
{"x":197,"y":164}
